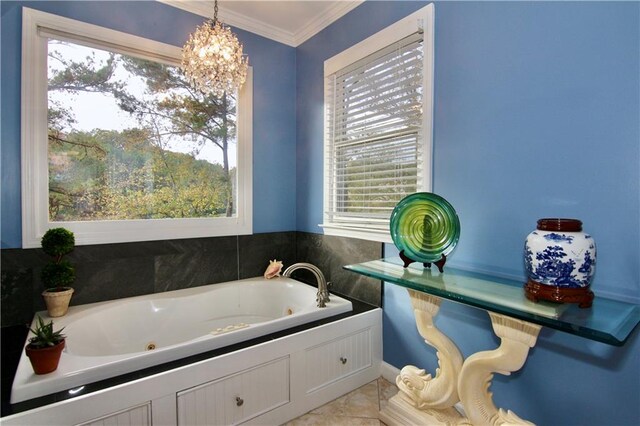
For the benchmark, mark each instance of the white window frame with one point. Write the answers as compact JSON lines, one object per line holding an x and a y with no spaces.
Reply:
{"x":422,"y":20}
{"x":35,"y":180}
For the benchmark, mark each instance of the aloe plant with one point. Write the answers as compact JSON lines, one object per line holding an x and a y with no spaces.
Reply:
{"x":44,"y":335}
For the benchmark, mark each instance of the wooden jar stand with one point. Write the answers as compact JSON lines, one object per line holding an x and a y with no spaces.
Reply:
{"x":426,"y":400}
{"x":535,"y":291}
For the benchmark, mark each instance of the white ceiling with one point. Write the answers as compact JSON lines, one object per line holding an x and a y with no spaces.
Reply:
{"x":287,"y":21}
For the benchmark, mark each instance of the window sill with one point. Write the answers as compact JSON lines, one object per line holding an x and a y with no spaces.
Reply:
{"x":382,"y":236}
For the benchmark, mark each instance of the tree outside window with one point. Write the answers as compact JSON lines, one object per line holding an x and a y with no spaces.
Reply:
{"x":129,"y":138}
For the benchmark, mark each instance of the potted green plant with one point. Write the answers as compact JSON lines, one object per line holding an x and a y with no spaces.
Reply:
{"x":45,"y":347}
{"x":58,"y":275}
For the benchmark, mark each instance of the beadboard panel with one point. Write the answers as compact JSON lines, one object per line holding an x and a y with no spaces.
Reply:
{"x":134,"y":416}
{"x":237,"y":398}
{"x":338,"y":359}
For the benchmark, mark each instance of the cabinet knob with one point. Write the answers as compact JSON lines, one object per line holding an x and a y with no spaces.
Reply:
{"x":343,"y":360}
{"x":239,"y":401}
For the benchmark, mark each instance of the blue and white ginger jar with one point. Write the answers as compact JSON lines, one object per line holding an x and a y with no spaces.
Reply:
{"x":559,"y":254}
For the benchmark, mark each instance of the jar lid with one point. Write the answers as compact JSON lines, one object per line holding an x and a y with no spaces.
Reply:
{"x":557,"y":224}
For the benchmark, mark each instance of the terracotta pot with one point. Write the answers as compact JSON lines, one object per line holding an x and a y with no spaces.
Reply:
{"x":45,"y":360}
{"x":57,"y":301}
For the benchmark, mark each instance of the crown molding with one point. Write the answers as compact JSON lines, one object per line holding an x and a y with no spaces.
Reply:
{"x":311,"y":28}
{"x":256,"y":26}
{"x":320,"y":22}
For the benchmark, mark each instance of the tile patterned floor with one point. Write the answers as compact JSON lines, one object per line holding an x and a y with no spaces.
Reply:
{"x":357,"y":408}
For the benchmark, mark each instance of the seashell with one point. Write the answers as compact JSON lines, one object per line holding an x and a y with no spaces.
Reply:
{"x":273,"y":270}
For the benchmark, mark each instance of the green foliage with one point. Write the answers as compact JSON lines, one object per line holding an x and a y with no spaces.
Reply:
{"x":133,"y":173}
{"x":86,"y":75}
{"x":134,"y":179}
{"x":58,"y":242}
{"x":56,"y":275}
{"x":44,"y":335}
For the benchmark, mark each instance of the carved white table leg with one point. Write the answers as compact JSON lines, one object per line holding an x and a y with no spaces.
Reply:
{"x":424,"y":399}
{"x":477,"y":371}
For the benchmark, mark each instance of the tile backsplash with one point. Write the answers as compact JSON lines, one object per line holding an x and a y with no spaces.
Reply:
{"x":114,"y":271}
{"x":331,"y":253}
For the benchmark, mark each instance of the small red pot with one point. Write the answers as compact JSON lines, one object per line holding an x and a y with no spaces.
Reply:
{"x":44,"y":360}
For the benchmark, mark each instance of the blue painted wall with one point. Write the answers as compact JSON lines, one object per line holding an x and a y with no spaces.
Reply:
{"x":536,"y":114}
{"x":274,"y":102}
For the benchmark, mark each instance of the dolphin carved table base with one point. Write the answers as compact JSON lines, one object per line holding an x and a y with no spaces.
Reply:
{"x":458,"y":394}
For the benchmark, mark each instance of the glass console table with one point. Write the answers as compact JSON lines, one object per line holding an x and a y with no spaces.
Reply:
{"x":426,"y":399}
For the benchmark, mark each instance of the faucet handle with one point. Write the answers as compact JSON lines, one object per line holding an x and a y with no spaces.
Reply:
{"x":322,"y":297}
{"x":323,"y":294}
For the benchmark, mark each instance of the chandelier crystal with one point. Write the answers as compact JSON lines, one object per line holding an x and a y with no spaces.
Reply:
{"x":212,"y":58}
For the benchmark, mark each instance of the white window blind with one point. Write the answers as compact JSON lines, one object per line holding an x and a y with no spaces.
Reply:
{"x":374,"y":147}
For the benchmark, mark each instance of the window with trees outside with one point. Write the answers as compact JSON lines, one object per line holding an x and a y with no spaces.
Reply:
{"x":378,"y":121}
{"x":117,"y":145}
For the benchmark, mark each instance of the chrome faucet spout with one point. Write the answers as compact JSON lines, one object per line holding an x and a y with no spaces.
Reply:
{"x":322,"y":297}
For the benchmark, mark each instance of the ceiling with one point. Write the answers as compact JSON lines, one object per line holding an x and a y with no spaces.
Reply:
{"x":287,"y":21}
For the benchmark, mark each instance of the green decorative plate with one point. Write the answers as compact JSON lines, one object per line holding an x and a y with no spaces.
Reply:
{"x":425,"y":226}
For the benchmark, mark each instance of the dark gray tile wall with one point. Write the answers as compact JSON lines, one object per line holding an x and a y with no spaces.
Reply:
{"x":114,"y":271}
{"x":255,"y":252}
{"x":195,"y":262}
{"x":19,"y":269}
{"x":330,"y":254}
{"x":16,"y":295}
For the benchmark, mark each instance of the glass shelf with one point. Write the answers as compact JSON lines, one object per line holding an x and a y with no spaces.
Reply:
{"x":608,"y":321}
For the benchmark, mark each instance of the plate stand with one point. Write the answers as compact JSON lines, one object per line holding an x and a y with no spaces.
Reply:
{"x":439,"y":263}
{"x":423,"y":399}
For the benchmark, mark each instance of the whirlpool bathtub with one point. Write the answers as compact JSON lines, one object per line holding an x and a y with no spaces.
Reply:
{"x":108,"y":339}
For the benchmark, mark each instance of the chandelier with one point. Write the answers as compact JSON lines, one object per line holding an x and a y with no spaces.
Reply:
{"x":212,"y":58}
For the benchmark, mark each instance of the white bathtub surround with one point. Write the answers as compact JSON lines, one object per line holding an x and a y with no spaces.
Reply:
{"x":269,"y":383}
{"x":108,"y":339}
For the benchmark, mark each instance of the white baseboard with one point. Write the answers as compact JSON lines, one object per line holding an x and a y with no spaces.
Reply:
{"x":389,"y":372}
